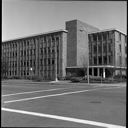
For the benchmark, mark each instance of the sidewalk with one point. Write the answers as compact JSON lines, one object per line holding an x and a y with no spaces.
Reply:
{"x":66,"y":82}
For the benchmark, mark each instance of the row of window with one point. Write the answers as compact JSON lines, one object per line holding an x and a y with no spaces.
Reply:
{"x":101,"y":36}
{"x":25,"y":73}
{"x":100,"y":48}
{"x":31,"y":52}
{"x":30,"y":42}
{"x":99,"y":60}
{"x":44,"y":62}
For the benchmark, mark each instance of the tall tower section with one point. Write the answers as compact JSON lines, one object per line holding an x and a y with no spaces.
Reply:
{"x":77,"y":42}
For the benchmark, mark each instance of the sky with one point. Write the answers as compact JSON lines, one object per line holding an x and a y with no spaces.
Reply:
{"x":27,"y":17}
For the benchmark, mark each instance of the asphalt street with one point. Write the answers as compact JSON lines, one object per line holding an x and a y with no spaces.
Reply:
{"x":31,"y":104}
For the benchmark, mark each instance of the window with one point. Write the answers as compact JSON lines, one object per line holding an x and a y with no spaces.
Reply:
{"x":45,"y":62}
{"x":13,"y":54}
{"x":48,"y":50}
{"x":24,"y":53}
{"x":100,"y":60}
{"x":31,"y":63}
{"x":120,"y":60}
{"x":48,"y":61}
{"x":53,"y":50}
{"x":94,"y":37}
{"x":105,"y":59}
{"x":110,"y":60}
{"x":104,"y":36}
{"x":109,"y":47}
{"x":120,"y":47}
{"x":105,"y":48}
{"x":27,"y":63}
{"x":95,"y":49}
{"x":24,"y":63}
{"x":24,"y":73}
{"x":41,"y":50}
{"x":44,"y":50}
{"x":15,"y":64}
{"x":40,"y":61}
{"x":21,"y":63}
{"x":34,"y":51}
{"x":99,"y":37}
{"x":27,"y":72}
{"x":24,"y":43}
{"x":53,"y":61}
{"x":21,"y":52}
{"x":95,"y":60}
{"x":99,"y":49}
{"x":53,"y":39}
{"x":15,"y":72}
{"x":28,"y":43}
{"x":34,"y":63}
{"x":28,"y":52}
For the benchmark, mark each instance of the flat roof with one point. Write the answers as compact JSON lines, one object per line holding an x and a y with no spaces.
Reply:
{"x":104,"y":30}
{"x":34,"y":35}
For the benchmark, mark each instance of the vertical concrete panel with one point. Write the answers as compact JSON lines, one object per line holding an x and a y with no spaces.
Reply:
{"x":117,"y":63}
{"x":82,"y":42}
{"x":37,"y":57}
{"x":64,"y":54}
{"x":71,"y":27}
{"x":123,"y":50}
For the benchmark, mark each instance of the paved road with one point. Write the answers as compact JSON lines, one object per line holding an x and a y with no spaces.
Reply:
{"x":29,"y":104}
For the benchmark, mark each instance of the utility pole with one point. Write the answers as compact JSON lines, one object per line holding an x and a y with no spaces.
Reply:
{"x":56,"y":79}
{"x":31,"y":72}
{"x":84,"y":30}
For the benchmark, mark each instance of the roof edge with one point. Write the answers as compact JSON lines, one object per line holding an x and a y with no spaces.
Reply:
{"x":33,"y":35}
{"x":104,"y":30}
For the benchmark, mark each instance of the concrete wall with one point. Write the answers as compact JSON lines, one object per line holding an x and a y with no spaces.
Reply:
{"x":63,"y":51}
{"x":77,"y":42}
{"x":117,"y":50}
{"x":71,"y":27}
{"x":82,"y":42}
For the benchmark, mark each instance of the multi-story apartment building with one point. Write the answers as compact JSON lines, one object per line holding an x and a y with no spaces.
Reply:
{"x":59,"y":52}
{"x":39,"y":55}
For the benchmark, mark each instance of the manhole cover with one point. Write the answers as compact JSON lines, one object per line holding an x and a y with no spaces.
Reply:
{"x":95,"y":102}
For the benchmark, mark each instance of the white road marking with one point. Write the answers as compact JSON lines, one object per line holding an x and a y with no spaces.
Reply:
{"x":33,"y":92}
{"x":60,"y":94}
{"x":76,"y":120}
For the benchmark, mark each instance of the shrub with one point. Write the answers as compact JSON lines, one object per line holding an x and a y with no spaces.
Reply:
{"x":69,"y":76}
{"x":76,"y":79}
{"x":36,"y":78}
{"x":16,"y":77}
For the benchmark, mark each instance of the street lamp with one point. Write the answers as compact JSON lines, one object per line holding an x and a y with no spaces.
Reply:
{"x":56,"y":79}
{"x":31,"y":72}
{"x":88,"y":54}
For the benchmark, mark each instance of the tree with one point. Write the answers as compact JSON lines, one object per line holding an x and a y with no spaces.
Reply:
{"x":85,"y":65}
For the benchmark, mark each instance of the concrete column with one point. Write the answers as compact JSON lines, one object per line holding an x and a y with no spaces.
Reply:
{"x":92,"y":71}
{"x":102,"y":49}
{"x":97,"y":51}
{"x":103,"y":72}
{"x":98,"y":72}
{"x":37,"y":57}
